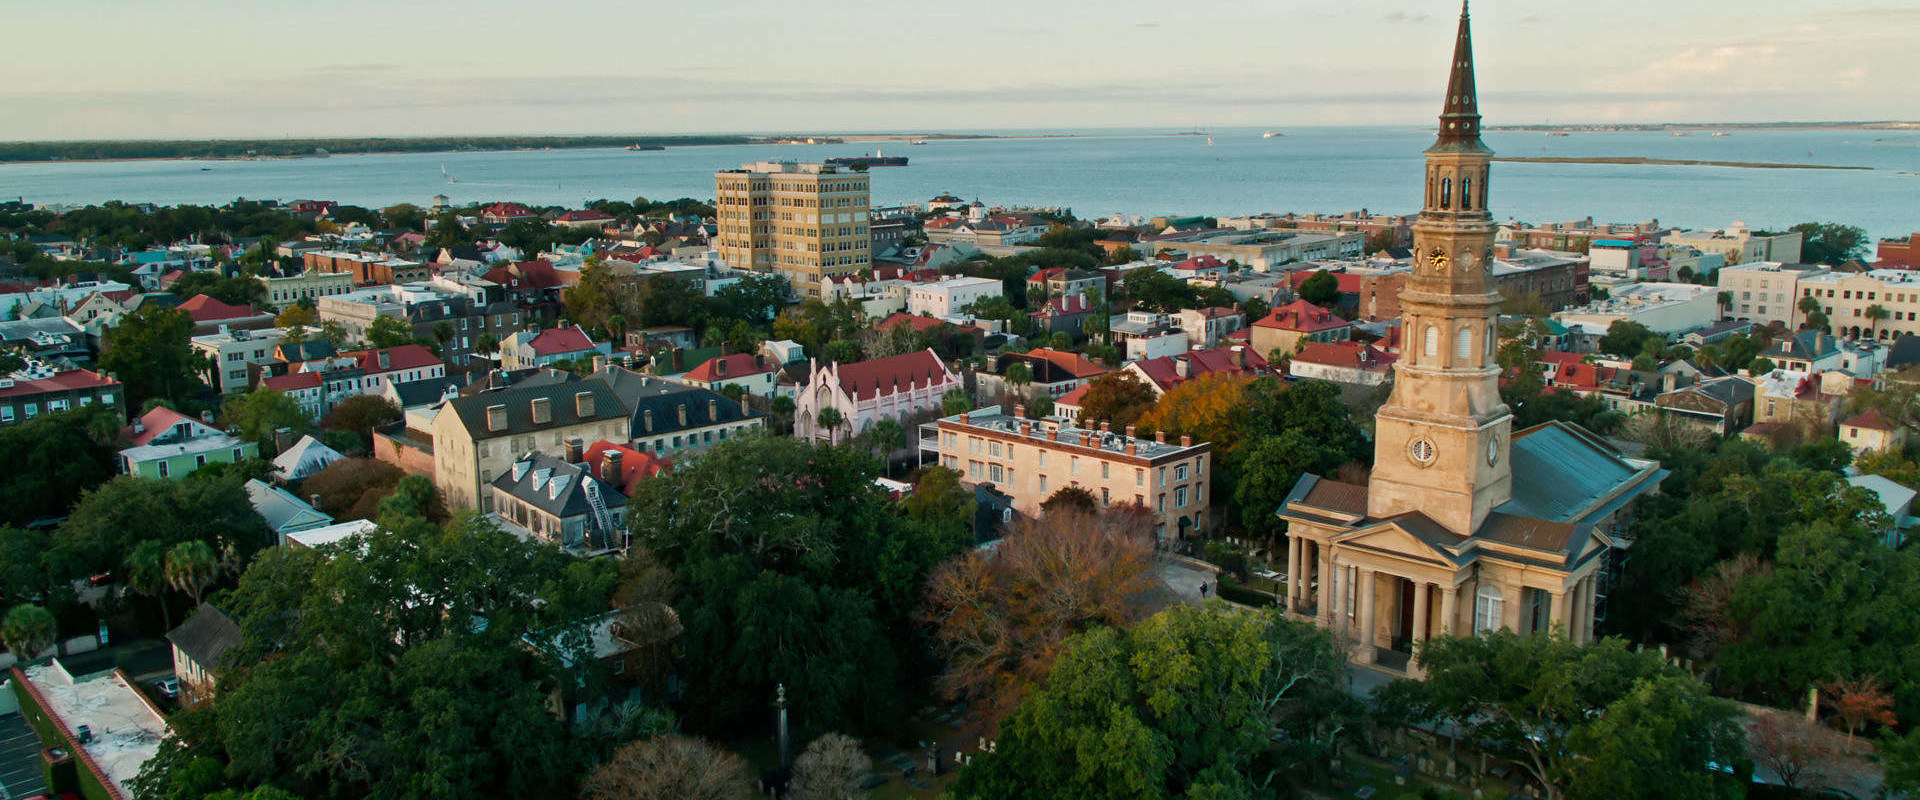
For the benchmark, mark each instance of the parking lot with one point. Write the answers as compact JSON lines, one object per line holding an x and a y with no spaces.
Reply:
{"x":19,"y":758}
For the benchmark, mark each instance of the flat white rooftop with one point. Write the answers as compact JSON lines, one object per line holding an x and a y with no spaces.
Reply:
{"x":126,"y":731}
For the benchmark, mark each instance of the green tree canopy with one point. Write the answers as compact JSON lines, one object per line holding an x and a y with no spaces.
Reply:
{"x":52,"y":459}
{"x":1830,"y":243}
{"x":1321,"y":289}
{"x":261,"y":412}
{"x":149,"y":352}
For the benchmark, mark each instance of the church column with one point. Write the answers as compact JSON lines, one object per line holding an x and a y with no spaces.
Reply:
{"x":1449,"y":609}
{"x":1422,"y":612}
{"x":1557,"y":611}
{"x":1293,"y":574}
{"x":1510,"y":596}
{"x":1368,"y":588}
{"x":1583,"y":610}
{"x":1325,"y":563}
{"x":1338,"y":605}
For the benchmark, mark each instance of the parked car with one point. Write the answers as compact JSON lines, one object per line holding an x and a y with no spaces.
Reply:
{"x":168,"y":687}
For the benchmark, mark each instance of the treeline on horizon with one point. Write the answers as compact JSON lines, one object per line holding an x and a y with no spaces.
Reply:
{"x":111,"y":150}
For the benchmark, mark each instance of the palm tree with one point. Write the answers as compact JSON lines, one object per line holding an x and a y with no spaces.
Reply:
{"x":1019,"y":375}
{"x":27,"y":630}
{"x":1874,"y":314}
{"x":831,"y":419}
{"x":782,"y":407}
{"x":192,"y":567}
{"x":886,"y":437}
{"x":147,"y":574}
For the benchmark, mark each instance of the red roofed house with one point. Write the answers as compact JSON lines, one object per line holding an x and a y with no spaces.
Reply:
{"x":322,"y":383}
{"x":1871,"y":430}
{"x":1343,"y":362}
{"x":530,"y":349}
{"x":622,"y":466}
{"x":584,"y":218}
{"x":1068,"y":406}
{"x":503,"y":213}
{"x":1299,"y":321}
{"x":209,"y":315}
{"x":1055,"y":372}
{"x":1206,"y":326}
{"x":534,"y":286}
{"x":896,"y":387}
{"x":1166,"y":372}
{"x":25,"y":395}
{"x":1200,"y":268}
{"x":749,"y":371}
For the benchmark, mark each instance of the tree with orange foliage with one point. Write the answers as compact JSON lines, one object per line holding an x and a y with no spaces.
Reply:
{"x":1859,"y":702}
{"x":1001,"y":617}
{"x":1209,"y":408}
{"x":1118,"y":397}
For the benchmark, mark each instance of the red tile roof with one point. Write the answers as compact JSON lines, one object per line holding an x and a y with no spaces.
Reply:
{"x":506,"y":210}
{"x":635,"y":466}
{"x":1047,"y":274}
{"x":537,"y":274}
{"x":1870,"y":419}
{"x":555,"y":341}
{"x":1558,"y":358}
{"x":1164,"y":371}
{"x":738,"y":365}
{"x":1072,"y":399}
{"x":867,"y":379}
{"x":206,"y":309}
{"x":60,"y":381}
{"x":292,"y":381}
{"x":1200,"y":262}
{"x":1348,"y":355}
{"x":1303,"y":317}
{"x":1072,"y":363}
{"x":585,"y":215}
{"x":154,"y":423}
{"x":406,"y":356}
{"x":916,"y":322}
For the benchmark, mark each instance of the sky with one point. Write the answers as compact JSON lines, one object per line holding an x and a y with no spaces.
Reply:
{"x":117,"y":69}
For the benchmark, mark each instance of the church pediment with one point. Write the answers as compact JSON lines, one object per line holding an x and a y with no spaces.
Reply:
{"x":1410,"y":536}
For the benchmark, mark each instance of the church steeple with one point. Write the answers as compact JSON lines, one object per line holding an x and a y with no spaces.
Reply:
{"x":1460,"y":120}
{"x":1441,"y":441}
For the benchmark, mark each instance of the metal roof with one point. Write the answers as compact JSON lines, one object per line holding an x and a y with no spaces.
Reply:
{"x":1558,"y":473}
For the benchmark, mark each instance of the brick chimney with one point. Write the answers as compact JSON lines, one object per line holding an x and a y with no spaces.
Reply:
{"x":576,"y":451}
{"x":1160,"y":437}
{"x":1239,"y":355}
{"x":1180,"y":367}
{"x":386,"y":360}
{"x":496,"y":419}
{"x":720,"y":366}
{"x":610,"y":466}
{"x":1019,"y":411}
{"x":542,"y":410}
{"x":713,"y":411}
{"x":1186,"y":440}
{"x":683,"y":415}
{"x":1130,"y":431}
{"x":646,"y":421}
{"x":1106,"y":427}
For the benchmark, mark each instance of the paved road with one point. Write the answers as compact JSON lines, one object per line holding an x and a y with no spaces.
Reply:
{"x":19,"y":758}
{"x":1184,"y":580}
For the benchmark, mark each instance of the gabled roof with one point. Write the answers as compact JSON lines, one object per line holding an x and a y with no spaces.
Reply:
{"x":305,"y":457}
{"x":555,"y":486}
{"x":406,"y":356}
{"x":206,"y":309}
{"x":555,"y":341}
{"x":867,"y":379}
{"x":58,"y":382}
{"x":1164,"y":372}
{"x":1072,"y":399}
{"x":720,"y":368}
{"x":472,"y":411}
{"x":1347,"y":355}
{"x":159,"y":421}
{"x":523,"y":275}
{"x":1200,"y":263}
{"x":282,"y":511}
{"x":585,"y":215}
{"x":1302,"y":317}
{"x":1069,"y":364}
{"x":293,"y":381}
{"x":1347,"y":282}
{"x":1870,"y":419}
{"x":206,"y":636}
{"x":506,"y":210}
{"x":1560,"y":471}
{"x":635,"y":466}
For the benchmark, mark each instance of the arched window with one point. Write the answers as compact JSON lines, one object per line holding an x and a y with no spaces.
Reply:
{"x":1463,"y":347}
{"x":1487,"y":610}
{"x":1446,"y":192}
{"x":1432,"y":344}
{"x":1492,"y":341}
{"x":1466,"y":193}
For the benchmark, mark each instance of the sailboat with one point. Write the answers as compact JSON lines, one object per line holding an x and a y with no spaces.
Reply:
{"x":448,"y":175}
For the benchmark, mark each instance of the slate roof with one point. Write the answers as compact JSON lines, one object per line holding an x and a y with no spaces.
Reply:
{"x":555,"y":486}
{"x":426,"y":391}
{"x":666,"y":399}
{"x":206,"y":636}
{"x":472,"y":411}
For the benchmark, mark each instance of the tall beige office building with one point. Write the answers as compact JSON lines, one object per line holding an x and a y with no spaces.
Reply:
{"x":804,"y":222}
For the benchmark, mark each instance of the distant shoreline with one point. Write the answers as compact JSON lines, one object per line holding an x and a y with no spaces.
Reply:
{"x":1665,"y":162}
{"x":262,"y":149}
{"x":1630,"y":127}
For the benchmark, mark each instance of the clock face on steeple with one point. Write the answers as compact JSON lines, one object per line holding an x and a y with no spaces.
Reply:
{"x":1438,"y":258}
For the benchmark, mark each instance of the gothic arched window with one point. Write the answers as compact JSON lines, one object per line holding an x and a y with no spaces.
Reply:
{"x":1466,"y":193}
{"x":1463,"y":347}
{"x":1446,"y":192}
{"x":1432,"y":344}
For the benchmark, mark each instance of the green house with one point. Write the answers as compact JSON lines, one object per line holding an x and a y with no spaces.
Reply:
{"x":168,"y":444}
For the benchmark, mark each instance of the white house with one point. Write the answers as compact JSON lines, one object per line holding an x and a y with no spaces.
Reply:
{"x":946,"y":298}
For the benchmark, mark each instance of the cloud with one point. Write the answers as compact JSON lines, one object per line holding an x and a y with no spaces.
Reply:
{"x":1399,"y":17}
{"x":1697,"y":61}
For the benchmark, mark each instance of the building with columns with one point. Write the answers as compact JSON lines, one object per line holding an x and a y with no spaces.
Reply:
{"x":1466,"y":525}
